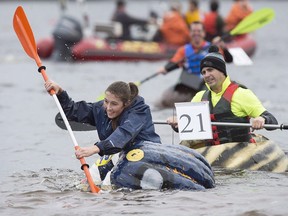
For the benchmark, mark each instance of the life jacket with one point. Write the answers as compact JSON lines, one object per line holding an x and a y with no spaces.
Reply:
{"x":192,"y":64}
{"x":222,"y":113}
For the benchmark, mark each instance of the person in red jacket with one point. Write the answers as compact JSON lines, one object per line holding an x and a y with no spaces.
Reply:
{"x":213,"y":21}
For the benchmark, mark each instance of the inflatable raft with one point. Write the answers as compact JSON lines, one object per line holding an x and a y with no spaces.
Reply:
{"x":97,"y":49}
{"x":156,"y":166}
{"x":68,"y":43}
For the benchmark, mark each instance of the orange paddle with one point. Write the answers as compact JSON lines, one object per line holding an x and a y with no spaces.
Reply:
{"x":26,"y":37}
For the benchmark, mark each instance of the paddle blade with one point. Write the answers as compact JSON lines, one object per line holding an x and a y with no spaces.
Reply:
{"x":137,"y":83}
{"x":75,"y":126}
{"x":24,"y":33}
{"x":254,"y":21}
{"x":100,"y":97}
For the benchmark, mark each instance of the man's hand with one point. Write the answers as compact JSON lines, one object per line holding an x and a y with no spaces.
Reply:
{"x":258,"y":123}
{"x":162,"y":70}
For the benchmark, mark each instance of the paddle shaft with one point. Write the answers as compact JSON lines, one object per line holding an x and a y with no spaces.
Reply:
{"x":232,"y":124}
{"x":84,"y":167}
{"x":156,"y":74}
{"x":77,"y":126}
{"x":26,"y":37}
{"x":148,"y":78}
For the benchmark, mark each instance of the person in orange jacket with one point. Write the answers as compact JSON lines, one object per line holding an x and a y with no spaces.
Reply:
{"x":239,"y":10}
{"x":173,"y":30}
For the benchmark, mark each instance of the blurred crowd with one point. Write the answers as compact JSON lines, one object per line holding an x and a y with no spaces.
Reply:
{"x":175,"y":25}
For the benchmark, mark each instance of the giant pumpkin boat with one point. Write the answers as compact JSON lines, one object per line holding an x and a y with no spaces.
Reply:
{"x":264,"y":155}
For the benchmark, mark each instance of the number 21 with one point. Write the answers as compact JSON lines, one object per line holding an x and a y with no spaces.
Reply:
{"x":189,"y":121}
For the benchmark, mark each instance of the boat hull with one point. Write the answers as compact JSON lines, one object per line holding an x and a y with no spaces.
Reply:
{"x":264,"y":156}
{"x":96,"y":49}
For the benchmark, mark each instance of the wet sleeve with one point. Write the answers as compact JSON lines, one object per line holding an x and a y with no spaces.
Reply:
{"x":179,"y":56}
{"x":76,"y":111}
{"x":123,"y":135}
{"x":269,"y":119}
{"x":176,"y":61}
{"x":170,"y":66}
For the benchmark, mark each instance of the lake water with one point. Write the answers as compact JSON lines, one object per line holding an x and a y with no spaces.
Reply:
{"x":38,"y":168}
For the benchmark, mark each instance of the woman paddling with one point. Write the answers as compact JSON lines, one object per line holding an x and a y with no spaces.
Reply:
{"x":121,"y":119}
{"x":124,"y":124}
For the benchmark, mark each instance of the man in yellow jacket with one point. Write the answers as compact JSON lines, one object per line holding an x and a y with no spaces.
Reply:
{"x":229,"y":102}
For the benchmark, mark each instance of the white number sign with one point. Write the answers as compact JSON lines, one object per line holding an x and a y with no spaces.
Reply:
{"x":194,"y":121}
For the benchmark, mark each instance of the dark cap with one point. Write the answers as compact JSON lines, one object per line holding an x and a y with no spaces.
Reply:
{"x":120,"y":3}
{"x":214,"y":59}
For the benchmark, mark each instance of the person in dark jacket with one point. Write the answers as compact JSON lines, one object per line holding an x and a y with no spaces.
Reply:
{"x":121,"y":119}
{"x":120,"y":15}
{"x":124,"y":124}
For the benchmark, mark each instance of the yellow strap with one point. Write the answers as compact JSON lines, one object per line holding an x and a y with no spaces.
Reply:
{"x":103,"y":160}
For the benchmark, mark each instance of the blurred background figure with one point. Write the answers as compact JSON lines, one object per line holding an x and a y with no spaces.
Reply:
{"x":173,"y":30}
{"x":66,"y":34}
{"x":213,"y":22}
{"x":188,"y":57}
{"x":239,"y":10}
{"x":193,"y":13}
{"x":120,"y":15}
{"x":63,"y":5}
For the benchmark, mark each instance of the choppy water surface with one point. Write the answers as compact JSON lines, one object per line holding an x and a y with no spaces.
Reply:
{"x":39,"y":172}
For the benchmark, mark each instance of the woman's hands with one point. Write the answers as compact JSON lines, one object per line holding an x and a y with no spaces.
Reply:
{"x":86,"y":151}
{"x":51,"y":85}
